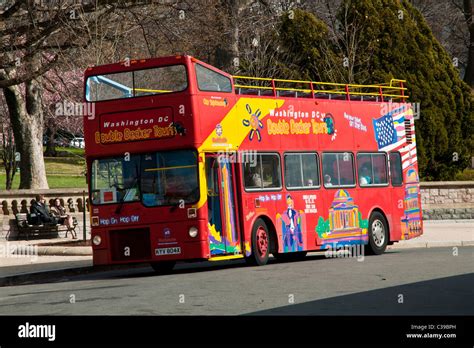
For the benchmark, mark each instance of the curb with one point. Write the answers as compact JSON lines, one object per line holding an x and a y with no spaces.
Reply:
{"x":60,"y":273}
{"x":65,"y":251}
{"x":432,"y":244}
{"x":457,"y":221}
{"x":34,"y":277}
{"x":60,"y":251}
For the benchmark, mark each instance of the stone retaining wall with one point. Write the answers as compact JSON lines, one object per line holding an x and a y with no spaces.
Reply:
{"x":440,"y":200}
{"x":446,"y":200}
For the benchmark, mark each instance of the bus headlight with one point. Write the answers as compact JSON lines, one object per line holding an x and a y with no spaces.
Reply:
{"x":193,"y":232}
{"x":96,"y":240}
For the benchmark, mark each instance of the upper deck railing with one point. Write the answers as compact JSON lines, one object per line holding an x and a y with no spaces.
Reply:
{"x":391,"y":91}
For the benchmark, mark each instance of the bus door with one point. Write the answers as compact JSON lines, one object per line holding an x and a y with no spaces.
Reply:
{"x":224,"y":236}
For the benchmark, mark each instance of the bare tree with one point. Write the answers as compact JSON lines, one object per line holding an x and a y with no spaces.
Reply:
{"x":35,"y":36}
{"x":8,"y":149}
{"x":468,"y":8}
{"x":452,"y":25}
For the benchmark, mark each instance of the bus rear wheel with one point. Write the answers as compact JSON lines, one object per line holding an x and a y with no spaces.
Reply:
{"x":163,"y":267}
{"x":260,"y":244}
{"x":378,"y":234}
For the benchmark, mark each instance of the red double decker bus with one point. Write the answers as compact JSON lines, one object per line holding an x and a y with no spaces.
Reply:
{"x":187,"y":163}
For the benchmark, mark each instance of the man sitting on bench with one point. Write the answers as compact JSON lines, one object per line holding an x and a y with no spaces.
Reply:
{"x":39,"y":208}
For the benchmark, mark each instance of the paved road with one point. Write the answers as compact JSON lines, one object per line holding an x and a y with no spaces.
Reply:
{"x":429,"y":281}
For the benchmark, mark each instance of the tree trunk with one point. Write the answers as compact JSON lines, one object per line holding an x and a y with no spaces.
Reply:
{"x":50,"y":144}
{"x":469,"y":74}
{"x":8,"y":156}
{"x":227,"y":52}
{"x":9,"y":178}
{"x":26,"y":117}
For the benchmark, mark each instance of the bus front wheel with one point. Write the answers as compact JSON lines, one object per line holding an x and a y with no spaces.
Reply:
{"x":378,"y":234}
{"x":163,"y":267}
{"x":260,"y":244}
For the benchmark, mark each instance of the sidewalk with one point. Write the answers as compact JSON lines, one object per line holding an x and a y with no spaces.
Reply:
{"x":441,"y":233}
{"x":47,"y":259}
{"x":24,"y":257}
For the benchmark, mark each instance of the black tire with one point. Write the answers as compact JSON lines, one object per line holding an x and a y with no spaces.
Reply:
{"x":293,"y":256}
{"x":258,"y":257}
{"x":378,"y":234}
{"x":163,"y":267}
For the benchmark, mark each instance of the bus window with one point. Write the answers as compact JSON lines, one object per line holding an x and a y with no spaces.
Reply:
{"x":265,"y":174}
{"x":169,"y":178}
{"x":379,"y":168}
{"x":346,"y":169}
{"x":372,"y":169}
{"x":330,"y":170}
{"x":252,"y":176}
{"x":211,"y":81}
{"x":129,"y":84}
{"x":160,"y":80}
{"x":301,"y":170}
{"x":114,"y":180}
{"x":110,"y":86}
{"x":271,"y":176}
{"x":293,"y":176}
{"x":338,"y":169}
{"x":396,"y":169}
{"x":364,"y":169}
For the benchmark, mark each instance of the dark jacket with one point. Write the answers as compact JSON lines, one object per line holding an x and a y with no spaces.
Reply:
{"x":42,"y":211}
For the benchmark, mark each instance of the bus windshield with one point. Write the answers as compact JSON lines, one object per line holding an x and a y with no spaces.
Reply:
{"x":157,"y":179}
{"x":115,"y":180}
{"x":137,"y":83}
{"x":169,"y":178}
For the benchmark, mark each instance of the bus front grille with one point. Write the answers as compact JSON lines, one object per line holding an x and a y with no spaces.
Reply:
{"x":130,"y":244}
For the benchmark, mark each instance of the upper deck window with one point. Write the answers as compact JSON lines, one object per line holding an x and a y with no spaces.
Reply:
{"x":129,"y":84}
{"x":211,"y":81}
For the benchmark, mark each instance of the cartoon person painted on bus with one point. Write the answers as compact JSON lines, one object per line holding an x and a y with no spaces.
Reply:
{"x":329,"y":119}
{"x":219,"y":130}
{"x":291,"y":227}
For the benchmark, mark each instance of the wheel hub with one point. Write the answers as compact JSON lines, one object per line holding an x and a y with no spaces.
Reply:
{"x":262,"y":241}
{"x":378,"y":233}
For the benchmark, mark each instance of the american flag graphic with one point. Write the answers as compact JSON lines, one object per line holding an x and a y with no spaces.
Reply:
{"x":395,"y":131}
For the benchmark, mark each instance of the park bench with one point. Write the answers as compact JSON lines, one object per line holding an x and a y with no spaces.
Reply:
{"x":27,"y":229}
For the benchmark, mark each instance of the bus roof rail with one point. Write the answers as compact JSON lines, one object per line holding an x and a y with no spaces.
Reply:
{"x":393,"y":90}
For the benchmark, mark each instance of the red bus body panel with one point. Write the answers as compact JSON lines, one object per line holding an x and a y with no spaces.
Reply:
{"x":284,"y":125}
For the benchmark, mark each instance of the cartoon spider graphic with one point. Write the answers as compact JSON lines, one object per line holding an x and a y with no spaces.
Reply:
{"x":254,"y":123}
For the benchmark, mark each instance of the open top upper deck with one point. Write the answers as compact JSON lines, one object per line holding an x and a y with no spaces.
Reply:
{"x":180,"y":102}
{"x":135,"y":78}
{"x":390,"y":91}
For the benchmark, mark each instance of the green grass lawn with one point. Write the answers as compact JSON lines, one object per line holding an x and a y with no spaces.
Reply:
{"x":62,"y":172}
{"x":54,"y":181}
{"x":65,"y":165}
{"x":72,"y":151}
